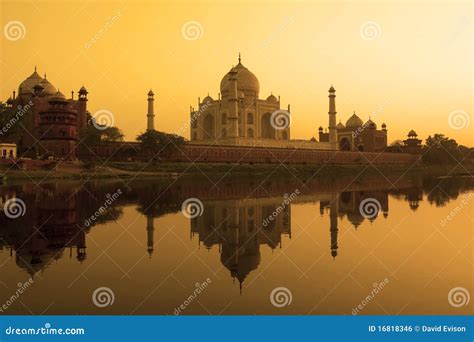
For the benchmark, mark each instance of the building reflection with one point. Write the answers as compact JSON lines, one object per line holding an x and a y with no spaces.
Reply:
{"x":54,"y":223}
{"x":238,"y":228}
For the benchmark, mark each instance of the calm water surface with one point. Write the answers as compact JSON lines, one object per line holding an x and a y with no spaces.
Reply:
{"x":318,"y":244}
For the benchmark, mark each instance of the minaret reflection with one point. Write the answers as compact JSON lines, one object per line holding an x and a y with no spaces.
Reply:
{"x":334,"y":210}
{"x":150,"y":228}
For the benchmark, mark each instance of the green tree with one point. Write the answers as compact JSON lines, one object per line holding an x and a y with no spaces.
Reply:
{"x":440,"y":149}
{"x":91,"y":136}
{"x":159,"y":144}
{"x":10,"y":123}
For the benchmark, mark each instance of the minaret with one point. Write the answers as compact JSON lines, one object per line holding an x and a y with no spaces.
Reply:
{"x":150,"y":228}
{"x":151,"y":112}
{"x":332,"y":118}
{"x":233,"y":117}
{"x":82,"y":108}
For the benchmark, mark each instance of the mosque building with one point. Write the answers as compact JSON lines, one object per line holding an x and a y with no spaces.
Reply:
{"x":356,"y":135}
{"x":52,"y":121}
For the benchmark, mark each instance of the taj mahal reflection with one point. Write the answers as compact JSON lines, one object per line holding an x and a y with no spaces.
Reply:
{"x":239,"y":226}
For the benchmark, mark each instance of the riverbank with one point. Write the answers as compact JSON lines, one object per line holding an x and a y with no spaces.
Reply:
{"x":137,"y":170}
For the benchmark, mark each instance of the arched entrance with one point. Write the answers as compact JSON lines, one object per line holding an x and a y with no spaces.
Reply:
{"x":209,"y":127}
{"x":267,"y":131}
{"x":345,"y":144}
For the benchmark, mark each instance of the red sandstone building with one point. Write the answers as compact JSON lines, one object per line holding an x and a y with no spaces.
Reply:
{"x":51,"y":121}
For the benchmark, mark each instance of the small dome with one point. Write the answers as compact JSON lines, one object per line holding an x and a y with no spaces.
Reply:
{"x":150,"y":93}
{"x":207,"y":99}
{"x":83,"y":90}
{"x":340,"y":125}
{"x":58,"y":97}
{"x":26,"y":87}
{"x":354,"y":121}
{"x":371,"y":124}
{"x":332,"y":90}
{"x":272,"y":98}
{"x":320,"y":128}
{"x":384,"y":125}
{"x":412,"y":133}
{"x":48,"y":88}
{"x":246,"y":81}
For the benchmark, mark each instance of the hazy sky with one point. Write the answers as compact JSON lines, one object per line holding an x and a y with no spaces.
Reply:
{"x":405,"y":63}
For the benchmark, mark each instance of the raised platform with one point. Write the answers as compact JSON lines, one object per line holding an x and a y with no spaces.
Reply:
{"x":267,"y":143}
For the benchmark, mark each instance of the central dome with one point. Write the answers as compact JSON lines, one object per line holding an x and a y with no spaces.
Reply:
{"x":354,"y":121}
{"x":247,"y":82}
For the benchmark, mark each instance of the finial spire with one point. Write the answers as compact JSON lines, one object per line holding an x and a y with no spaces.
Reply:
{"x":35,"y":68}
{"x":240,"y":58}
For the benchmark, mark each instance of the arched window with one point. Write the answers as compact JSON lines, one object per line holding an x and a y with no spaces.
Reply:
{"x":224,"y":119}
{"x":223,"y":133}
{"x":267,"y":131}
{"x":194,"y":123}
{"x":250,"y":133}
{"x":360,"y":148}
{"x":249,"y":119}
{"x":195,"y":136}
{"x":284,"y":135}
{"x":209,"y":127}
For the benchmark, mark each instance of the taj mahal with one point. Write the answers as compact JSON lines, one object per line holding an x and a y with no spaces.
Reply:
{"x":239,"y":117}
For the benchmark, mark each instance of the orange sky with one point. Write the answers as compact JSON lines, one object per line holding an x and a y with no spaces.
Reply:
{"x":416,"y":71}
